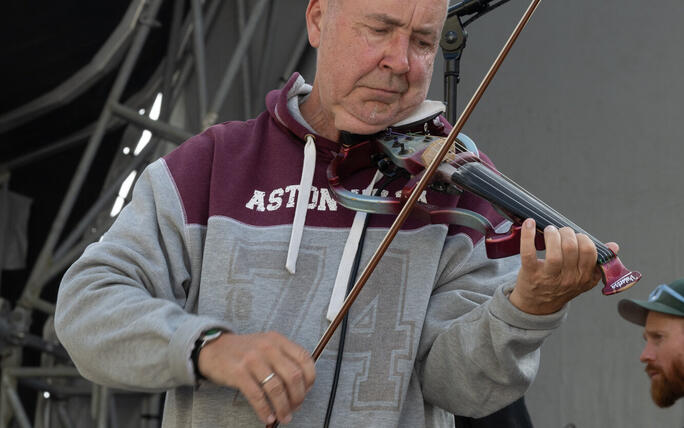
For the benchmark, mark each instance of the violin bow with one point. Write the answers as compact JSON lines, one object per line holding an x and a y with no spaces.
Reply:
{"x":422,"y":183}
{"x":425,"y":179}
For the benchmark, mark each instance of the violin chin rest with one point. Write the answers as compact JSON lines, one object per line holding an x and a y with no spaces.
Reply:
{"x":427,"y":110}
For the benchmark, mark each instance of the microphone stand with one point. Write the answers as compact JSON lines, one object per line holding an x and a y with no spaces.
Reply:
{"x":453,"y":41}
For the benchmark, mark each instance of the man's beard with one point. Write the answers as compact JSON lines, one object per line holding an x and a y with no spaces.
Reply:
{"x":665,"y":391}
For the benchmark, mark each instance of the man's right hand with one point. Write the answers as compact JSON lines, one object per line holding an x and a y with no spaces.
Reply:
{"x":246,"y":362}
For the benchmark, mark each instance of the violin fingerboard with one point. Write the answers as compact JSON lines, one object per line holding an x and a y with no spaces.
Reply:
{"x":516,"y":202}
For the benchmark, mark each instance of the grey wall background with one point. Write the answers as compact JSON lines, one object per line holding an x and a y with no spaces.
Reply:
{"x":586,"y":113}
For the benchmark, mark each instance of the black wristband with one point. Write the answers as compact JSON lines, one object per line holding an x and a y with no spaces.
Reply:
{"x":200,"y":343}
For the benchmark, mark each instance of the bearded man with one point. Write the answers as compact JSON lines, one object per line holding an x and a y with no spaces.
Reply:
{"x":662,"y":316}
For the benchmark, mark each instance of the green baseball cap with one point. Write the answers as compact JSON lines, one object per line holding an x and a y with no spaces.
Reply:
{"x":665,"y":298}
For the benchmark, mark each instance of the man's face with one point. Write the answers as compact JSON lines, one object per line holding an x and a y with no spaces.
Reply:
{"x":375,"y":58}
{"x":664,"y":357}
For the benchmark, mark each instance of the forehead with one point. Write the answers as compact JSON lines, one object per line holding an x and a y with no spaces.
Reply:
{"x":416,"y":14}
{"x":658,"y":321}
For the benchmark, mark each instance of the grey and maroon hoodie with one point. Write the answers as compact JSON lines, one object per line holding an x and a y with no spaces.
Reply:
{"x":203,"y":244}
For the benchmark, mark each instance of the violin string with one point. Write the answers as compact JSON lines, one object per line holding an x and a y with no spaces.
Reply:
{"x":549,"y":215}
{"x":556,"y":219}
{"x":522,"y":189}
{"x":560,"y":219}
{"x":461,"y":147}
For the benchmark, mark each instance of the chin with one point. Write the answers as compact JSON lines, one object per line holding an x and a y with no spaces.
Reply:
{"x":363,"y":128}
{"x":369,"y":123}
{"x":666,"y":389}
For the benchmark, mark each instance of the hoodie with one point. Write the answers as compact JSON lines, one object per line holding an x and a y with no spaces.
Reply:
{"x":204,"y":243}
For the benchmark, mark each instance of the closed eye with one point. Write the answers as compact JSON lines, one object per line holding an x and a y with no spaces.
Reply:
{"x":424,"y":44}
{"x":379,"y":30}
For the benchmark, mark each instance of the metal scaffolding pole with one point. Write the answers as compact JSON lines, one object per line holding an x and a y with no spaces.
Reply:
{"x":30,"y":297}
{"x":186,"y":52}
{"x":200,"y":63}
{"x":246,"y":80}
{"x":229,"y":76}
{"x":45,"y":256}
{"x":107,"y":57}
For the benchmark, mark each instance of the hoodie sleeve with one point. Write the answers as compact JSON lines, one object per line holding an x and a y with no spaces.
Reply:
{"x":478,"y":352}
{"x":125,"y":307}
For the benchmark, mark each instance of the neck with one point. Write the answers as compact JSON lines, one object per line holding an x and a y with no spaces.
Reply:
{"x":320,"y":120}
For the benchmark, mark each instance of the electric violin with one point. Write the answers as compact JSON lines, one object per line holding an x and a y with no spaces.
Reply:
{"x":460,"y":170}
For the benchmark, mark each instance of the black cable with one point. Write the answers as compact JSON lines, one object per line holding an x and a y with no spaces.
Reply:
{"x":343,"y":327}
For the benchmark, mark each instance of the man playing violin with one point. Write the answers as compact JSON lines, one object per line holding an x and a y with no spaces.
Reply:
{"x":215,"y":282}
{"x":662,"y":317}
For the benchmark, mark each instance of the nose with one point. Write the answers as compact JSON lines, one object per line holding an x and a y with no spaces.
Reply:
{"x":647,"y":354}
{"x":396,"y":55}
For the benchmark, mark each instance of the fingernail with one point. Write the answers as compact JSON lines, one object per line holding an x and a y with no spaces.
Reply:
{"x":270,"y":419}
{"x":529,"y":224}
{"x":287,"y":419}
{"x":550,"y":228}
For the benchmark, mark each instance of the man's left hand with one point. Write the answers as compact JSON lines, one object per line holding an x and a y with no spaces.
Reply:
{"x":568,"y":269}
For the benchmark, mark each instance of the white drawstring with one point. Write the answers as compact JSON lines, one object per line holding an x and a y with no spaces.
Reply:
{"x":303,"y":195}
{"x":350,"y":249}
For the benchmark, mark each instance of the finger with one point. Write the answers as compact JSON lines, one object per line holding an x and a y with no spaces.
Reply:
{"x":304,"y":361}
{"x":256,"y":397}
{"x":587,"y":260}
{"x":569,"y":251}
{"x":292,"y":377}
{"x":597,"y":275}
{"x":614,"y":247}
{"x":553,"y":261}
{"x":528,"y":252}
{"x":260,"y":364}
{"x":276,"y":392}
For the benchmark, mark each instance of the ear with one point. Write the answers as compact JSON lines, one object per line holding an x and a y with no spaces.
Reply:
{"x":314,"y":16}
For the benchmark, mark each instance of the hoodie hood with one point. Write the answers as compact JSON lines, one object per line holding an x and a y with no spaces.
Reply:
{"x":277,"y":106}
